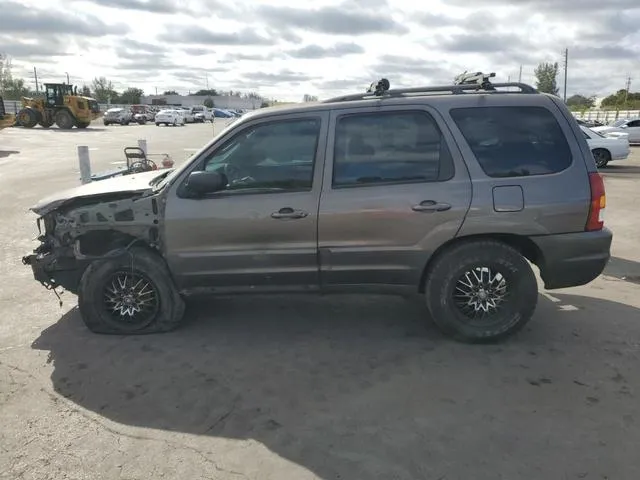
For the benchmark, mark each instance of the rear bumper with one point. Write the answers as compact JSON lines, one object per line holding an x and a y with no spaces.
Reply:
{"x":573,"y":259}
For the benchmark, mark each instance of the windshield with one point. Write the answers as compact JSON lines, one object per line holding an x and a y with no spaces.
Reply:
{"x":619,"y":123}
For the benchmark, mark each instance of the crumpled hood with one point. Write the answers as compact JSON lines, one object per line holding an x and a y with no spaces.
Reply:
{"x":135,"y":184}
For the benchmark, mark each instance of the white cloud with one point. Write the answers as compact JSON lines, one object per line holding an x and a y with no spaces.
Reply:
{"x":282,"y":49}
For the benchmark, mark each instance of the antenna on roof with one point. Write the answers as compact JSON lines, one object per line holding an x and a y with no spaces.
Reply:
{"x":477,"y":78}
{"x":378,"y":88}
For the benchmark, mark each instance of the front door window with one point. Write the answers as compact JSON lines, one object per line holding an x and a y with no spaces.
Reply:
{"x":278,"y":156}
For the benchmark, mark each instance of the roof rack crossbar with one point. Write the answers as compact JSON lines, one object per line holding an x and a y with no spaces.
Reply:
{"x":400,"y":92}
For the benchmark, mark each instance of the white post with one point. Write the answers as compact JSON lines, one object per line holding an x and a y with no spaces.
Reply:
{"x":85,"y":164}
{"x":142,"y":143}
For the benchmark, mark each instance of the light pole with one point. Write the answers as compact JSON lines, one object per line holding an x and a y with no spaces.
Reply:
{"x":68,"y":83}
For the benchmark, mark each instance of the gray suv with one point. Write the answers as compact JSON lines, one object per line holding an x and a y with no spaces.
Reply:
{"x":451,"y":192}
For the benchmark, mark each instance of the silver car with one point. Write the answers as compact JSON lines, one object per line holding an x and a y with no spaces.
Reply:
{"x":449,"y":192}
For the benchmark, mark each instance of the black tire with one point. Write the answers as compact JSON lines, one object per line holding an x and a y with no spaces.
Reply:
{"x":157,"y":124}
{"x":28,"y":117}
{"x":83,"y":124}
{"x":139,"y":263}
{"x":106,"y":123}
{"x":450,"y":267}
{"x":602,"y":157}
{"x":64,"y":120}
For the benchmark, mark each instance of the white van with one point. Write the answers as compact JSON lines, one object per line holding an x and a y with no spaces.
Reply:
{"x":202,"y":114}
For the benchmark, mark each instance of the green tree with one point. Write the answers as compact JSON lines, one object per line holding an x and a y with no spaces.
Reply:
{"x":623,"y":100}
{"x":170,"y":92}
{"x":208,"y":102}
{"x":14,"y":88}
{"x":309,"y":98}
{"x":85,"y":91}
{"x":103,"y":90}
{"x":580,"y":102}
{"x":546,"y":78}
{"x":131,"y":95}
{"x":209,"y":92}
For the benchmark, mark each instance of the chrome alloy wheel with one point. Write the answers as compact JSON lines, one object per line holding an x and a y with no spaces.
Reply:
{"x":480,"y":293}
{"x":131,"y":298}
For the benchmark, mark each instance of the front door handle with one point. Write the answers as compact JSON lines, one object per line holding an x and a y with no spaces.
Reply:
{"x":431,"y":206}
{"x":287,"y":212}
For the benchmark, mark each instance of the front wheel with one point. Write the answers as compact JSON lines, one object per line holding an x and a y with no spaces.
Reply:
{"x":602,"y":157}
{"x":481,"y":291}
{"x":129,"y":294}
{"x":28,"y":117}
{"x":157,"y":124}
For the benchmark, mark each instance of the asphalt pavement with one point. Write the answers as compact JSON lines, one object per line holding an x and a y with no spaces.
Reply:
{"x":304,"y":387}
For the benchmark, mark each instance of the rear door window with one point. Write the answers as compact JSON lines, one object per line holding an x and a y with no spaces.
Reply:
{"x":514,"y":141}
{"x":389,"y":148}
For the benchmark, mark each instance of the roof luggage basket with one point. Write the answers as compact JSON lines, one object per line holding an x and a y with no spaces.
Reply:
{"x":463,"y":83}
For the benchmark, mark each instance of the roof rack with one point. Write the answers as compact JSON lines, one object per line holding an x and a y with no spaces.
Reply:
{"x":466,"y":82}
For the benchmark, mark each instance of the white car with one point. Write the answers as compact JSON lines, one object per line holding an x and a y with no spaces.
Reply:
{"x":170,"y":117}
{"x":630,"y":126}
{"x":606,"y":149}
{"x":188,"y":115}
{"x":120,"y":116}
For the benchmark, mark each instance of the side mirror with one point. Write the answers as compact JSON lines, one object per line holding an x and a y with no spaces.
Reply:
{"x":203,"y":182}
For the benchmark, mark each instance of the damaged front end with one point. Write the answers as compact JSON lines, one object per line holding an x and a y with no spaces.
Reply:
{"x":82,"y":230}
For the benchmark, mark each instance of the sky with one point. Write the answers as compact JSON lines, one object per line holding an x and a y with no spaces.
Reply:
{"x":284,"y":49}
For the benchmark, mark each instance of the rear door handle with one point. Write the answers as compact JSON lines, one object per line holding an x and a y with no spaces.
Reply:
{"x":287,"y":212}
{"x":431,"y":206}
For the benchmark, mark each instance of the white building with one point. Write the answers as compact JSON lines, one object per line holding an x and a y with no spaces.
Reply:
{"x":219,"y":101}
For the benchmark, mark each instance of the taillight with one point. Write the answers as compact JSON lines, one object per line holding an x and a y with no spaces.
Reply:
{"x":598,"y":203}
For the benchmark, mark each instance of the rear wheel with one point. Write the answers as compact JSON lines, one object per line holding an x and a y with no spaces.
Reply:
{"x":64,"y":120}
{"x":130,"y":294}
{"x":83,"y":124}
{"x":28,"y":117}
{"x":481,"y":291}
{"x":602,"y":157}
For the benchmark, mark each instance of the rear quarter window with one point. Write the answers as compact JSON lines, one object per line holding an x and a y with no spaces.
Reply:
{"x":514,"y":141}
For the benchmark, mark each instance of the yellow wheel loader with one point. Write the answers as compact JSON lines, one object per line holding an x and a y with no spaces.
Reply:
{"x":61,"y":105}
{"x":6,"y":119}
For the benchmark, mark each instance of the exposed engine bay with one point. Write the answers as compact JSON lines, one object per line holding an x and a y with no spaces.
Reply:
{"x":82,"y":230}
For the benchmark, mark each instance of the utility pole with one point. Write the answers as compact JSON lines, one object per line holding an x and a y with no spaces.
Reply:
{"x":68,"y":82}
{"x":520,"y":75}
{"x":566,"y":68}
{"x":206,"y":76}
{"x":626,"y":91}
{"x":35,"y":75}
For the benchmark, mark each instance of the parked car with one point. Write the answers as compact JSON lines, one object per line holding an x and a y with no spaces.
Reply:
{"x":142,"y":114}
{"x":605,"y":149}
{"x":589,"y":123}
{"x":447,"y":196}
{"x":122,"y":116}
{"x":221,"y":113}
{"x":201,"y":114}
{"x":630,"y":126}
{"x":170,"y":117}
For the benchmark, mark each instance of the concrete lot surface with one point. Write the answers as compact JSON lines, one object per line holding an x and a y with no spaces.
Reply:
{"x":296,"y":387}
